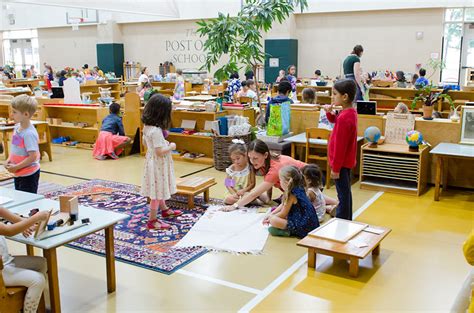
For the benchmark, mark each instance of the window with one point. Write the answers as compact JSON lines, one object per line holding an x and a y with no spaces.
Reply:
{"x":452,"y":52}
{"x":21,"y":49}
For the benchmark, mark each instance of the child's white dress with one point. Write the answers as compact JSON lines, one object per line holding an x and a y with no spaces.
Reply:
{"x":158,"y":177}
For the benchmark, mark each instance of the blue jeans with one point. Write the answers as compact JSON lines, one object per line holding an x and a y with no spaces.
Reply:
{"x":344,"y":194}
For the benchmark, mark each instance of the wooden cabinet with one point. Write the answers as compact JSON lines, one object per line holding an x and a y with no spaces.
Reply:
{"x":60,"y":114}
{"x":192,"y":143}
{"x":115,"y":90}
{"x":392,"y":167}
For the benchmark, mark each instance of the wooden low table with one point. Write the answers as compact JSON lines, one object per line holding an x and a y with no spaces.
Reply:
{"x":193,"y":186}
{"x":347,"y":250}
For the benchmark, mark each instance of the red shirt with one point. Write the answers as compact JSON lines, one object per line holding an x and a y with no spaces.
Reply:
{"x":342,"y":150}
{"x":275,"y":166}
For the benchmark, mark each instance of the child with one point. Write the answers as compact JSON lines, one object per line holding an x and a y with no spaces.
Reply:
{"x":421,"y":81}
{"x":240,"y":177}
{"x":342,"y":148}
{"x":247,"y":90}
{"x":313,"y":178}
{"x":401,"y":81}
{"x":143,"y":89}
{"x":309,"y":96}
{"x":28,"y":271}
{"x":179,"y":87}
{"x":24,"y":157}
{"x":234,"y":85}
{"x":158,"y":180}
{"x":284,"y":89}
{"x":281,"y":75}
{"x":317,"y":75}
{"x":292,"y":77}
{"x":295,"y":216}
{"x":112,"y":139}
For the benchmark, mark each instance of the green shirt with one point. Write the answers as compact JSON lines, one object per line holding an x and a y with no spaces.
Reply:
{"x":348,"y":64}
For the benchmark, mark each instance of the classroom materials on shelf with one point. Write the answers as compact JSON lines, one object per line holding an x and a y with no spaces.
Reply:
{"x":238,"y":125}
{"x":397,"y":126}
{"x":72,"y":91}
{"x":338,"y":230}
{"x":68,"y":213}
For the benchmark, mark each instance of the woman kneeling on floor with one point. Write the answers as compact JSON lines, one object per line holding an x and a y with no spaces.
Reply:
{"x":112,"y":139}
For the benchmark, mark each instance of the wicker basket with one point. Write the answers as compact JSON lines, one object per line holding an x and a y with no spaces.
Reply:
{"x":221,"y":146}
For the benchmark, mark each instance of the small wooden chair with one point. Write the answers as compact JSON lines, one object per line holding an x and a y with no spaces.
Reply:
{"x":324,"y":134}
{"x":11,"y":298}
{"x":44,"y":142}
{"x":244,"y":100}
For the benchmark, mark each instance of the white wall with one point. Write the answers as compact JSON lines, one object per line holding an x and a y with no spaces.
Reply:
{"x":388,"y":38}
{"x":61,"y":47}
{"x":1,"y":48}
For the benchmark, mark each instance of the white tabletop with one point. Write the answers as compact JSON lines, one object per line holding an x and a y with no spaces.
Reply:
{"x":19,"y":197}
{"x":301,"y":138}
{"x":454,"y":149}
{"x":11,"y":127}
{"x":99,"y":219}
{"x":200,"y":98}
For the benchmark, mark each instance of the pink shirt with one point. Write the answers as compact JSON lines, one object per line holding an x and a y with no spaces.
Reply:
{"x":275,"y":166}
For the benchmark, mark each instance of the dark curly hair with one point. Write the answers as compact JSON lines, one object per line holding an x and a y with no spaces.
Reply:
{"x":313,"y":173}
{"x":114,"y":108}
{"x":157,"y":112}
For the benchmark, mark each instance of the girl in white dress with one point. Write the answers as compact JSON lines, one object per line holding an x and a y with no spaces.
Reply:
{"x":158,"y":179}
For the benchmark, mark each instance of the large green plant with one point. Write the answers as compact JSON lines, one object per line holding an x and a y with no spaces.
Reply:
{"x":240,"y":37}
{"x":430,"y":94}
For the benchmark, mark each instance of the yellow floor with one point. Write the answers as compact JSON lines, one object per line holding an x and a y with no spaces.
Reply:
{"x":420,"y":268}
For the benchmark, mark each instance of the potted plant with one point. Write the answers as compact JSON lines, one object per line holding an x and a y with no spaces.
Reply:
{"x":430,"y":95}
{"x":240,"y":37}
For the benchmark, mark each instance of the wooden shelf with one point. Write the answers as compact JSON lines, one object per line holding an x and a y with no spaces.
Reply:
{"x":202,"y":160}
{"x":75,"y":127}
{"x":392,"y":167}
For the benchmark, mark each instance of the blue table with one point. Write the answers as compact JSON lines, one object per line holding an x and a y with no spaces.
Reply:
{"x":100,"y":219}
{"x":19,"y":197}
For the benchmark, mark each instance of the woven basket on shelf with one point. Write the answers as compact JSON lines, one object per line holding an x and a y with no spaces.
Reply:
{"x":221,"y":149}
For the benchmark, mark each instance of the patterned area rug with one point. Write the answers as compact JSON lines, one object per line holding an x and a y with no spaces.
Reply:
{"x":134,"y":243}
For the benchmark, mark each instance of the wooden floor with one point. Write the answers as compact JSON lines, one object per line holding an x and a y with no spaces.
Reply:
{"x":421,"y":267}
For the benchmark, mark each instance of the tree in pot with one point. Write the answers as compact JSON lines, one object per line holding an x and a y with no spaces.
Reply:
{"x":240,"y":37}
{"x":430,"y":95}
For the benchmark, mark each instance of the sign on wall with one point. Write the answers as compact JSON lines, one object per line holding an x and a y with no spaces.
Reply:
{"x":188,"y":52}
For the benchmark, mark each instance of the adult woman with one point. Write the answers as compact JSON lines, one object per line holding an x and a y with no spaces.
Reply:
{"x":353,"y":71}
{"x":144,"y":76}
{"x":267,"y":164}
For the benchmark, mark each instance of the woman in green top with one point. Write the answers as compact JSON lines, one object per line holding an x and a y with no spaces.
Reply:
{"x":352,"y":70}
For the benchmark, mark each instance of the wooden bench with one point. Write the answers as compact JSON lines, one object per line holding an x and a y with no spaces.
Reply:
{"x":193,"y":186}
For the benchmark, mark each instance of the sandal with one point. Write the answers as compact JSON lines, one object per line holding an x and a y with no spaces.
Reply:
{"x":171,"y":213}
{"x":156,"y":224}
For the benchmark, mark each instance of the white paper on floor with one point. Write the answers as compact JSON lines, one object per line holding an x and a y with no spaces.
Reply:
{"x":239,"y":231}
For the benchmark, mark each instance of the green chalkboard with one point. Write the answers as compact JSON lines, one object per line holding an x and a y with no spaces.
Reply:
{"x":110,"y":57}
{"x":286,"y":50}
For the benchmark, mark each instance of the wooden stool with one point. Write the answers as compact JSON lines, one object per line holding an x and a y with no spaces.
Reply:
{"x":193,"y":186}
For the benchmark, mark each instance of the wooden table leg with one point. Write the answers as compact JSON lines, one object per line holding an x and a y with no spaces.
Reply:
{"x":30,"y":250}
{"x":206,"y":196}
{"x":444,"y":174}
{"x":5,"y":145}
{"x":439,"y":165}
{"x":376,"y":251}
{"x":293,"y":148}
{"x":110,"y":258}
{"x":190,"y":202}
{"x":312,"y":258}
{"x":52,"y":261}
{"x":354,"y":267}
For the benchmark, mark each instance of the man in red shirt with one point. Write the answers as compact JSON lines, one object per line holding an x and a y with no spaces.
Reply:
{"x":342,"y":149}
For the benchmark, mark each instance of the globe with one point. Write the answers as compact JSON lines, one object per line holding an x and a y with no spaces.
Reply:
{"x":372,"y":134}
{"x":414,"y":139}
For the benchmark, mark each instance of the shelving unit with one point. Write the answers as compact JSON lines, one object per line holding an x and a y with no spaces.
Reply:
{"x":131,"y":71}
{"x":392,"y":167}
{"x":91,"y":115}
{"x":191,"y":143}
{"x":115,"y":90}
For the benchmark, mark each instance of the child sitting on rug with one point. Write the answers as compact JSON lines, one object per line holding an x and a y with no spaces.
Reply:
{"x":295,"y":216}
{"x":112,"y":139}
{"x":158,"y":179}
{"x":240,"y":177}
{"x":313,"y":178}
{"x":28,"y":271}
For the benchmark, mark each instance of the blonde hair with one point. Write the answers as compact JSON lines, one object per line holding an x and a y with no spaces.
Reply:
{"x":294,"y":177}
{"x":24,"y":103}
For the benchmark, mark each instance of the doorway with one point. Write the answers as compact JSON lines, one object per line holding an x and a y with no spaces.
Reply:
{"x":467,"y":54}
